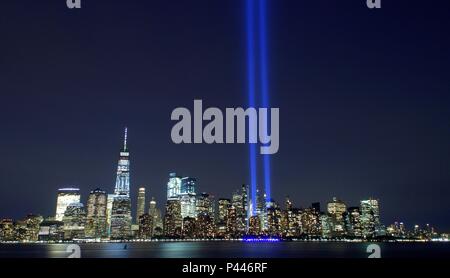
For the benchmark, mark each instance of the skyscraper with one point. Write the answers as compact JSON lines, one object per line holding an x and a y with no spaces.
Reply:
{"x":310,"y":221}
{"x":336,"y":209}
{"x":152,"y":207}
{"x":121,"y":206}
{"x":241,"y":216}
{"x":183,"y":190}
{"x":205,"y":216}
{"x":370,"y":217}
{"x":145,"y":226}
{"x":254,"y":227}
{"x":154,"y":215}
{"x":157,"y":221}
{"x":188,"y":197}
{"x":173,"y":220}
{"x":121,"y":217}
{"x":224,"y":204}
{"x":222,"y":219}
{"x":109,"y":204}
{"x":173,"y":186}
{"x":66,"y":196}
{"x":205,"y":227}
{"x":353,"y":222}
{"x":96,"y":222}
{"x":123,"y":169}
{"x":274,"y":220}
{"x":188,"y":185}
{"x":261,"y":208}
{"x":205,"y":205}
{"x":74,"y":221}
{"x":326,"y":225}
{"x":232,"y":223}
{"x":140,"y":203}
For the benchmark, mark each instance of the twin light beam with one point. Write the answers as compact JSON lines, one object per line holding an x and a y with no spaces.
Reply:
{"x":257,"y":74}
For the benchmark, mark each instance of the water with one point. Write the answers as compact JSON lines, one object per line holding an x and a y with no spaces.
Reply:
{"x":227,"y":250}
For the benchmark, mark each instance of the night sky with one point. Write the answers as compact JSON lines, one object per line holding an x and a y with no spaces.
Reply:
{"x":364,"y":98}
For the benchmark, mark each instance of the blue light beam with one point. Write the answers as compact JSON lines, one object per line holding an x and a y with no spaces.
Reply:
{"x":250,"y":10}
{"x":263,"y":55}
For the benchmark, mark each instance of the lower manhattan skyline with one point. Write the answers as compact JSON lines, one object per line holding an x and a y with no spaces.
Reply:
{"x":187,"y":213}
{"x":222,"y":137}
{"x":363,"y":98}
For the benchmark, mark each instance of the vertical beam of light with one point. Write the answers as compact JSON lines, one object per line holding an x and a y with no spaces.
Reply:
{"x":251,"y":96}
{"x":264,"y":84}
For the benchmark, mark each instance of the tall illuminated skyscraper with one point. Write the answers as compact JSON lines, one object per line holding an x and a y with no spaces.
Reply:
{"x":188,"y":197}
{"x":96,"y":219}
{"x":224,"y":205}
{"x":188,"y":185}
{"x":152,"y":207}
{"x":239,"y":205}
{"x":153,"y":213}
{"x":173,"y":220}
{"x":140,"y":203}
{"x":370,"y":217}
{"x":183,"y":190}
{"x":205,"y":205}
{"x":157,"y":220}
{"x":173,"y":187}
{"x":353,"y":222}
{"x":121,"y":206}
{"x":66,"y":196}
{"x":336,"y":209}
{"x":123,"y":170}
{"x":261,"y":208}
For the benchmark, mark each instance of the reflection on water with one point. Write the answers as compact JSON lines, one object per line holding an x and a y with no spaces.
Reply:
{"x":226,"y":250}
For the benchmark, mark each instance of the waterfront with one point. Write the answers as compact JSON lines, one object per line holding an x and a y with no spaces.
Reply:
{"x":222,"y":249}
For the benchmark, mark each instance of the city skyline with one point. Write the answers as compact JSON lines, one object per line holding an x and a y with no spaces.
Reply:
{"x":362,"y":95}
{"x":110,"y":215}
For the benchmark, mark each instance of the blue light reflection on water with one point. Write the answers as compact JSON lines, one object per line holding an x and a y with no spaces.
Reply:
{"x":226,"y":249}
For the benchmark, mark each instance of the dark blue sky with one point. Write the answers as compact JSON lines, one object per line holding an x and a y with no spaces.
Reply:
{"x":363,"y":97}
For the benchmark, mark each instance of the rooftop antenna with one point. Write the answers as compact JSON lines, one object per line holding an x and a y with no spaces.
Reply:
{"x":125,"y":139}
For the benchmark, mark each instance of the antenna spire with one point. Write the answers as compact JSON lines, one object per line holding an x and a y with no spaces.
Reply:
{"x":125,"y":139}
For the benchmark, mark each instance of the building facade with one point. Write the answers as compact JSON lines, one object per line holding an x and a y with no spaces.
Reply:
{"x":66,"y":196}
{"x":74,"y":221}
{"x":140,"y":203}
{"x":96,"y":222}
{"x":173,"y":219}
{"x":370,"y":218}
{"x":121,"y":217}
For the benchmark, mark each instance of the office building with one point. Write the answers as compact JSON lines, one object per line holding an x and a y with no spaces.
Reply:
{"x":173,"y":219}
{"x":74,"y":221}
{"x":96,"y":222}
{"x":66,"y":196}
{"x":140,"y":203}
{"x":121,"y":217}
